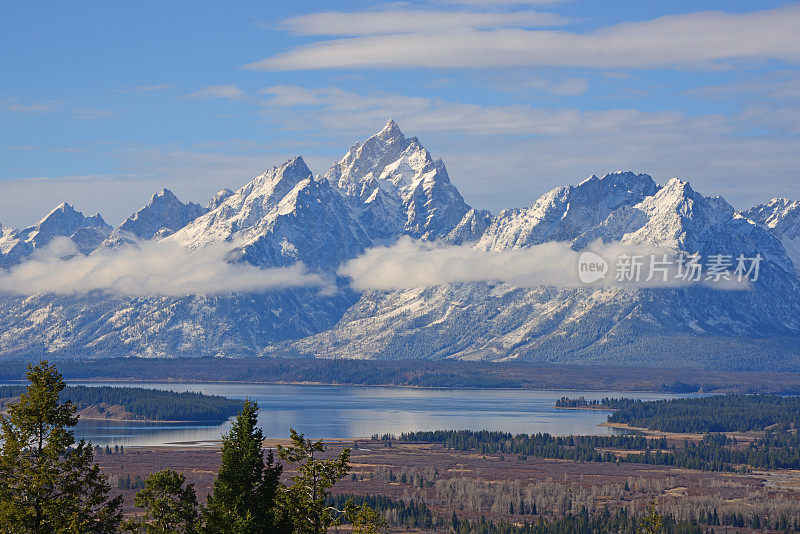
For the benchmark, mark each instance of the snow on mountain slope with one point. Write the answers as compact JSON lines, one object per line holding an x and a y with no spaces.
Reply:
{"x":780,"y":216}
{"x":64,"y":221}
{"x":390,"y":186}
{"x":566,"y":212}
{"x":97,"y":325}
{"x":471,"y":227}
{"x":397,"y":188}
{"x":678,"y":218}
{"x":497,"y":321}
{"x":218,"y":198}
{"x":281,"y":217}
{"x":163,"y":215}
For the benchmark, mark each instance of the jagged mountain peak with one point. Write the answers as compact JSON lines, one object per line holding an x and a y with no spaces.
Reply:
{"x":567,"y":212}
{"x":370,"y":159}
{"x":781,"y":217}
{"x":280,"y":179}
{"x":779,"y":213}
{"x":164,"y":194}
{"x":218,"y":198}
{"x":63,"y":221}
{"x":162,"y":216}
{"x":285,"y":215}
{"x":395,"y":187}
{"x":677,"y":196}
{"x":64,"y":217}
{"x":280,"y":217}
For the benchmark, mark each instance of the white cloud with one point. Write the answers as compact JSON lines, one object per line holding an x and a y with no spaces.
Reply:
{"x":148,"y":269}
{"x":148,"y":88}
{"x":408,"y":264}
{"x":484,"y":3}
{"x":414,"y":21}
{"x":565,"y":87}
{"x":361,"y":112}
{"x":16,"y":106}
{"x":694,"y":39}
{"x":777,"y":85}
{"x":230,"y":92}
{"x":89,"y":113}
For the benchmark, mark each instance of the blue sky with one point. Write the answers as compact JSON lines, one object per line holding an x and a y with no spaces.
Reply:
{"x":102,"y":104}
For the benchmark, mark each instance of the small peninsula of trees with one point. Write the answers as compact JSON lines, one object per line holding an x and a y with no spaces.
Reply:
{"x":715,"y":413}
{"x":152,"y":404}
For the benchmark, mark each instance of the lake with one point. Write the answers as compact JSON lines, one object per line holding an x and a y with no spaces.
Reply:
{"x":352,"y":411}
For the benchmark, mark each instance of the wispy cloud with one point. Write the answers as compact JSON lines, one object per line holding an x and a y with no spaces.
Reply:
{"x":89,"y":113}
{"x":230,"y":92}
{"x":17,"y":106}
{"x":148,"y":88}
{"x":780,"y":85}
{"x":695,"y":39}
{"x":484,"y":3}
{"x":415,"y":21}
{"x":565,"y":87}
{"x":419,"y":114}
{"x":149,"y":269}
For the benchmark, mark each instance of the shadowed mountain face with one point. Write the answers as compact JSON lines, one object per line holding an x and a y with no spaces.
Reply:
{"x":390,"y":186}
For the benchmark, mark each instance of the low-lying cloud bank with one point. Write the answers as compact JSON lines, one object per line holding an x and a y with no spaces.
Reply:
{"x":168,"y":269}
{"x":147,"y":269}
{"x":408,"y":264}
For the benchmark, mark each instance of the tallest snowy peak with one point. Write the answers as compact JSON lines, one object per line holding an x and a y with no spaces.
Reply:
{"x":391,"y":129}
{"x":385,"y":153}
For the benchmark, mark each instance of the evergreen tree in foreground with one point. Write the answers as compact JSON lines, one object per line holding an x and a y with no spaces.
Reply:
{"x":170,"y":507}
{"x":311,"y":484}
{"x":245,"y":493}
{"x":49,"y":484}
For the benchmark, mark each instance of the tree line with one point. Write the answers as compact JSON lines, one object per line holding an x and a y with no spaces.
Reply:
{"x":714,"y":452}
{"x":716,"y":413}
{"x":329,"y":371}
{"x":151,"y":404}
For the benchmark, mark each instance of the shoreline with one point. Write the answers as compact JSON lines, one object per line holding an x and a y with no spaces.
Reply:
{"x":74,"y":381}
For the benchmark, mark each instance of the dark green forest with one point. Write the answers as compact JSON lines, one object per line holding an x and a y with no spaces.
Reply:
{"x":716,"y":413}
{"x":416,"y":373}
{"x":151,"y":404}
{"x":715,"y":452}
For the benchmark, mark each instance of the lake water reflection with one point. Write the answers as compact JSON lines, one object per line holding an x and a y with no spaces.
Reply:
{"x":353,"y":411}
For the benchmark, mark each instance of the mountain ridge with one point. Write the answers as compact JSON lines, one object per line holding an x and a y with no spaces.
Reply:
{"x":387,"y":187}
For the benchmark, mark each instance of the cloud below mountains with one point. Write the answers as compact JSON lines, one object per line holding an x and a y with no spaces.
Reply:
{"x":168,"y":269}
{"x":408,"y":264}
{"x":147,"y":269}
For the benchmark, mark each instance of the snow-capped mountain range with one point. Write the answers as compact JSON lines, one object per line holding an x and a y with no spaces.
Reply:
{"x":388,"y":187}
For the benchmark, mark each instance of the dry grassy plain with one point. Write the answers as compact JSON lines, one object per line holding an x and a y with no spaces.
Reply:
{"x":473,"y":485}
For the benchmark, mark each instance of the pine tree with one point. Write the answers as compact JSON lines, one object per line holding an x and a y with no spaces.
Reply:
{"x":312,"y":482}
{"x":48,"y":483}
{"x":652,"y":521}
{"x":170,"y":507}
{"x":244,"y":497}
{"x":364,"y":519}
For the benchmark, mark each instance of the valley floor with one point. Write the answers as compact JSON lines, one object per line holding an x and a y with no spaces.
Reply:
{"x":506,"y":488}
